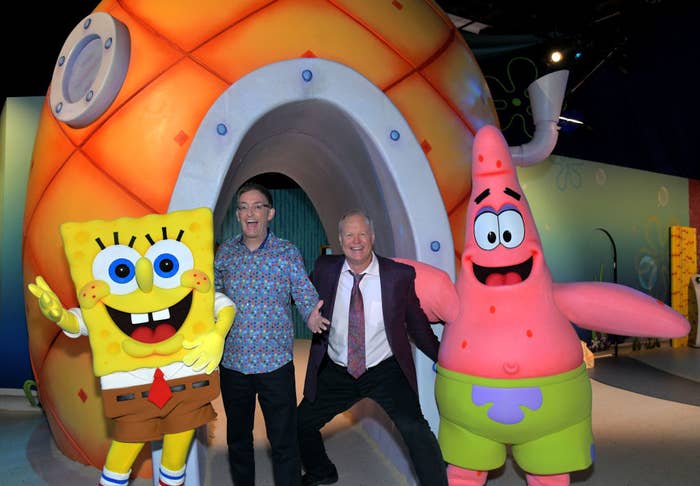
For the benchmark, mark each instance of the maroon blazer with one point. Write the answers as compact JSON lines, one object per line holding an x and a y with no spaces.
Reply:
{"x":403,"y":317}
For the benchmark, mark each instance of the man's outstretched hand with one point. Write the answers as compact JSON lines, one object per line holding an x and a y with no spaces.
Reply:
{"x":316,"y":322}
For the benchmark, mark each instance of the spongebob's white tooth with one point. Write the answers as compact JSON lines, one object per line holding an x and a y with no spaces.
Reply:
{"x":139,"y":318}
{"x":161,"y":315}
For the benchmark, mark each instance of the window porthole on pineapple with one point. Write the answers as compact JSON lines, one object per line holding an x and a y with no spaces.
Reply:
{"x":90,"y":69}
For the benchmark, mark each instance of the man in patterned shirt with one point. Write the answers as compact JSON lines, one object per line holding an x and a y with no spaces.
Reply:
{"x":261,"y":273}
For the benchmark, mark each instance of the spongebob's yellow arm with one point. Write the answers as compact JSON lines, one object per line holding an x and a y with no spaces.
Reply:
{"x":208,"y":349}
{"x":52,"y":309}
{"x":225,"y":312}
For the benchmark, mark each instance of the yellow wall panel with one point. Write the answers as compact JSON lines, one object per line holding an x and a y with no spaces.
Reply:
{"x":683,"y":263}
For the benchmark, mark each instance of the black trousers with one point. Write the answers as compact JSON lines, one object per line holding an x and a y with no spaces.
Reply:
{"x":276,"y":392}
{"x":386,"y":385}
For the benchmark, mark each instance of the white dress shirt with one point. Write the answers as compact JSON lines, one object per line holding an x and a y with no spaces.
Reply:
{"x":376,"y":344}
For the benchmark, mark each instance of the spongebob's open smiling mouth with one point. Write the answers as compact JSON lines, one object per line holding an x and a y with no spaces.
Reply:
{"x":510,"y":275}
{"x":153,"y":327}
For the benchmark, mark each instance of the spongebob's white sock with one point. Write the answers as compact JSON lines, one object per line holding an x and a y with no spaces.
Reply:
{"x":111,"y":478}
{"x":171,"y":478}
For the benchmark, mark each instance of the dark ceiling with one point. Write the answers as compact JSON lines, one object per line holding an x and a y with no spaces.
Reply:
{"x":602,"y":32}
{"x":633,"y":86}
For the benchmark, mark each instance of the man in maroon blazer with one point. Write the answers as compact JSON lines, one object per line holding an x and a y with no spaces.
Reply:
{"x":390,"y":318}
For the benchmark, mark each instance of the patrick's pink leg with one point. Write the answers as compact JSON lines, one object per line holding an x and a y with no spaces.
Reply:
{"x":549,"y":480}
{"x":456,"y":476}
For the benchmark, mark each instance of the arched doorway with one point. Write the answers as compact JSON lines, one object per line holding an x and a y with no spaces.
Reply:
{"x":342,"y":141}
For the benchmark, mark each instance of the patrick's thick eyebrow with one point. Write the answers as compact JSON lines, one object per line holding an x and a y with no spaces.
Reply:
{"x":484,"y":194}
{"x":510,"y":192}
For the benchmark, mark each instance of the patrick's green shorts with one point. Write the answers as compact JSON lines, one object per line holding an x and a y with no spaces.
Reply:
{"x":546,"y":420}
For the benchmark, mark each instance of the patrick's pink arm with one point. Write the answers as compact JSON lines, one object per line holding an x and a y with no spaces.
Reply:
{"x":435,"y":290}
{"x":617,"y":309}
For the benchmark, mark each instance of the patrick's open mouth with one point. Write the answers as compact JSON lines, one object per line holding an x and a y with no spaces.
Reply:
{"x":510,"y":275}
{"x":152,"y":327}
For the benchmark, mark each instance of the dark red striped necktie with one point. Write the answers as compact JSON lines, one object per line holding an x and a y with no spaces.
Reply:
{"x":356,"y":329}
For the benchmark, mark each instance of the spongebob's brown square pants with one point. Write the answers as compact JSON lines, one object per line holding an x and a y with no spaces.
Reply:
{"x":136,"y":419}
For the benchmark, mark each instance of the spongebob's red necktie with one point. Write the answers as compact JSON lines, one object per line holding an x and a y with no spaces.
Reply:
{"x":356,"y":329}
{"x":159,"y":393}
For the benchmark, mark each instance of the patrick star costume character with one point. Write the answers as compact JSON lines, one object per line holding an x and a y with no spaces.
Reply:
{"x":510,"y":368}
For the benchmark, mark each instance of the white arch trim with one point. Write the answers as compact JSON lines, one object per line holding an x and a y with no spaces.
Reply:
{"x":260,"y":92}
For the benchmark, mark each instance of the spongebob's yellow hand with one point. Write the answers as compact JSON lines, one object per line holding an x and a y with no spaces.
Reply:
{"x":206,"y":351}
{"x":224,"y":319}
{"x":51,"y":306}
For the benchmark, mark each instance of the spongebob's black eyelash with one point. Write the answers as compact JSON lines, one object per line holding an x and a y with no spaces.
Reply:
{"x":116,"y":241}
{"x":165,"y":235}
{"x":133,"y":238}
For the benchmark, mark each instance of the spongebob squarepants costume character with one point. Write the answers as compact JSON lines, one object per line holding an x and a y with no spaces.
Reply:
{"x":156,"y":328}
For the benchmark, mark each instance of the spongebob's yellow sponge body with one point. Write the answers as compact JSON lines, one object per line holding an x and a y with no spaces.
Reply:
{"x":144,"y":286}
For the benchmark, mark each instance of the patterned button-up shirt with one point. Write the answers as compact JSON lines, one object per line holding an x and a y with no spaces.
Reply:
{"x":262,"y":283}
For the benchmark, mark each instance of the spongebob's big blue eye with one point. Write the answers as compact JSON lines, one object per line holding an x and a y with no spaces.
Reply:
{"x":122,"y":270}
{"x":170,"y":259}
{"x":166,"y":265}
{"x":116,"y":265}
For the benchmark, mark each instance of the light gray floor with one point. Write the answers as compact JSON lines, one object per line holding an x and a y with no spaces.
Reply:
{"x":684,"y":361}
{"x":640,"y":441}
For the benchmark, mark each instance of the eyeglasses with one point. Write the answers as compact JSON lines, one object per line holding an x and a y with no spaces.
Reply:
{"x":255,"y":207}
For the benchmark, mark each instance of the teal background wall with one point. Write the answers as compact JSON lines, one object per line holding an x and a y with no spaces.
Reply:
{"x":570,"y":198}
{"x":18,"y":124}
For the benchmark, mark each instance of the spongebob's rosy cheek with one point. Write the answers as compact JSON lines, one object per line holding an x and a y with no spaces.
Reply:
{"x":197,"y":280}
{"x":92,"y":293}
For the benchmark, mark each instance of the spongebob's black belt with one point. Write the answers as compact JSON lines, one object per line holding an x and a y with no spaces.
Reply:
{"x":174,"y":388}
{"x":118,"y":402}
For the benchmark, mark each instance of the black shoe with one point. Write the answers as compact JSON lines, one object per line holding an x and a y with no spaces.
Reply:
{"x":308,"y":480}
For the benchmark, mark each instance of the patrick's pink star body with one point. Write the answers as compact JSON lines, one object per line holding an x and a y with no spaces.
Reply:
{"x":508,"y":349}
